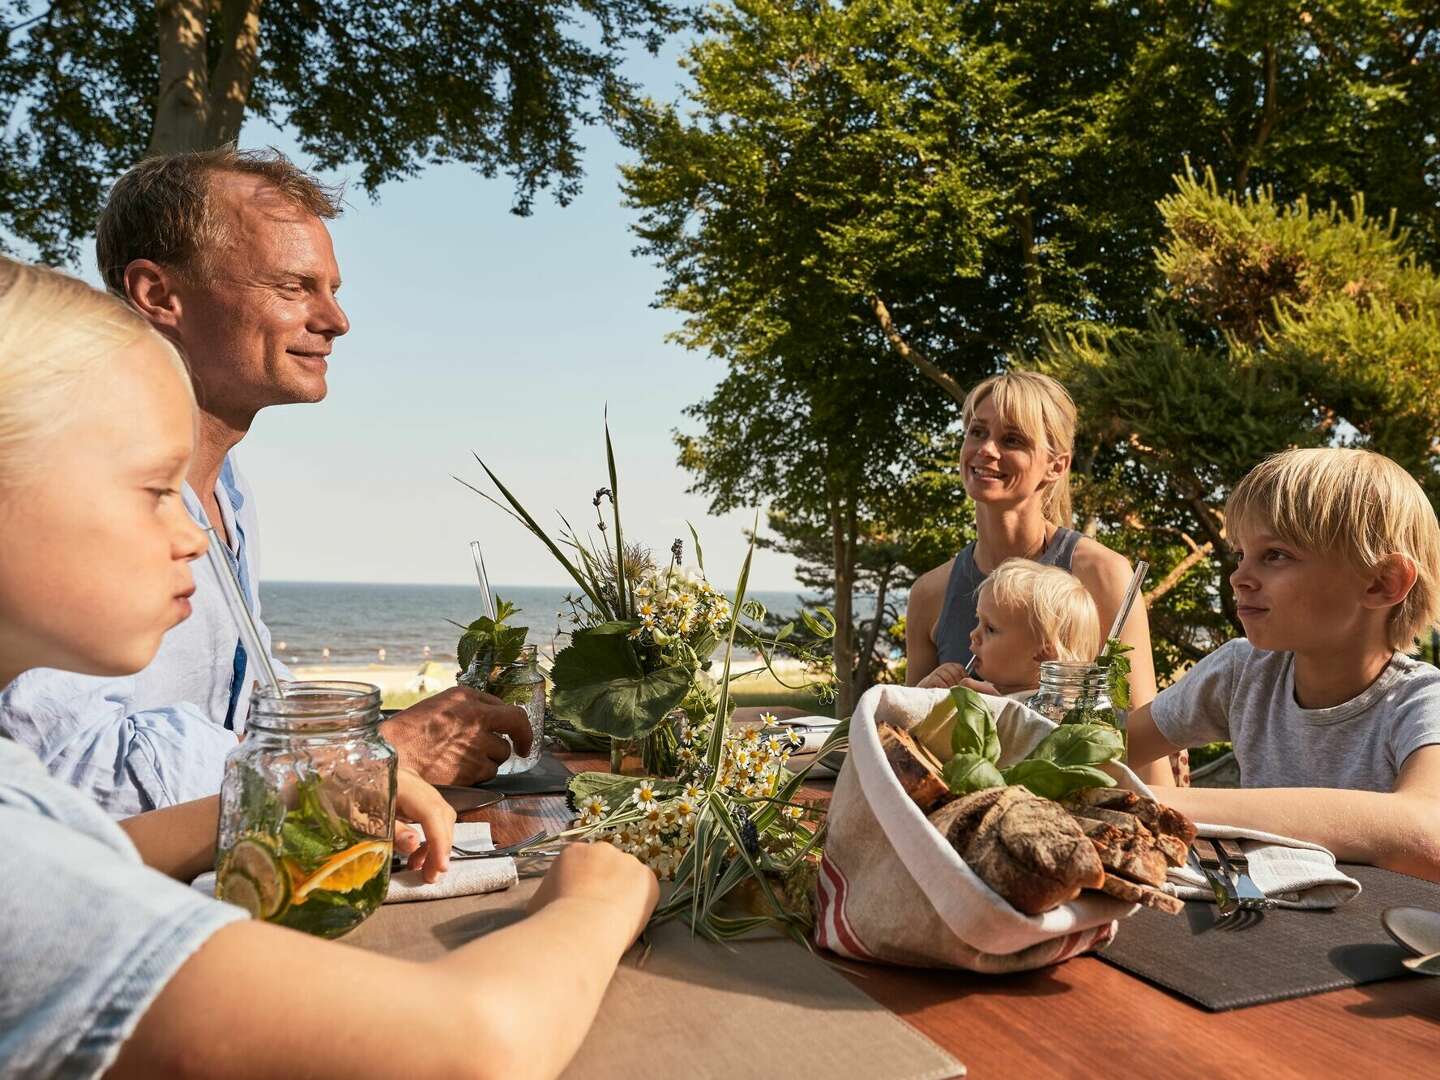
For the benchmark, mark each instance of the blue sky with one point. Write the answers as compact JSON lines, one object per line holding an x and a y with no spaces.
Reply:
{"x":473,"y":329}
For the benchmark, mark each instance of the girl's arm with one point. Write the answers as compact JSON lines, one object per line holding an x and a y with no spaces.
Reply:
{"x":179,"y":841}
{"x":261,"y":1001}
{"x":1106,"y":576}
{"x":1398,"y":830}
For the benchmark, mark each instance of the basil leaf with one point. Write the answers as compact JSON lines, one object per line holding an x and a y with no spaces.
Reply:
{"x":1052,"y":781}
{"x":1080,"y":744}
{"x":965,"y":773}
{"x":974,"y":731}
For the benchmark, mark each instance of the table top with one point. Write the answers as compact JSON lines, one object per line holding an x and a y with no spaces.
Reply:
{"x":1085,"y":1015}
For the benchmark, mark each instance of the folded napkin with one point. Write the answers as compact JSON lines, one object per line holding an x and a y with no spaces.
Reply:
{"x":466,"y":877}
{"x":1293,"y":873}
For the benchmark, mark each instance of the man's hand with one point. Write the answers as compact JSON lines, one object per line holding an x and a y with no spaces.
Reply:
{"x":454,"y":737}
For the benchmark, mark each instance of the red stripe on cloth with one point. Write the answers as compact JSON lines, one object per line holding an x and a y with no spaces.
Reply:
{"x":851,"y":944}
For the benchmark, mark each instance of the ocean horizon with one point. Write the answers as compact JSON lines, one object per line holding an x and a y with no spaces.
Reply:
{"x":354,"y":623}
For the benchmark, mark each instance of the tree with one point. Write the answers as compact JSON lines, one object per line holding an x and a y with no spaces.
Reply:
{"x":1279,"y":325}
{"x":86,"y":89}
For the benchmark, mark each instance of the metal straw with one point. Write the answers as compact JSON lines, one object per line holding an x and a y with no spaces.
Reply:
{"x":486,"y":598}
{"x":1141,"y":569}
{"x":240,"y":613}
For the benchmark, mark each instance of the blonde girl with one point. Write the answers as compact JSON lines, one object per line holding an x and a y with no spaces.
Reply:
{"x":110,"y":964}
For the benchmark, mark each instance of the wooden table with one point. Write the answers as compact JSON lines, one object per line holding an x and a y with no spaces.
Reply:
{"x":1085,"y":1017}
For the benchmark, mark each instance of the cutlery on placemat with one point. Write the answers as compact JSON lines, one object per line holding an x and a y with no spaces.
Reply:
{"x":1235,"y":862}
{"x":1224,"y":896}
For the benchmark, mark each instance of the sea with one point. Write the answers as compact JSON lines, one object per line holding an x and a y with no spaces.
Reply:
{"x":316,"y":623}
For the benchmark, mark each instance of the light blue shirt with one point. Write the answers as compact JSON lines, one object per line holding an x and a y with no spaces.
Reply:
{"x":158,"y":737}
{"x":89,"y":935}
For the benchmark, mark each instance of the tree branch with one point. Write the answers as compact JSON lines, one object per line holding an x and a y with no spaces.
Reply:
{"x":1176,"y":575}
{"x":911,"y":355}
{"x":235,"y":71}
{"x":183,"y":106}
{"x":1269,"y":114}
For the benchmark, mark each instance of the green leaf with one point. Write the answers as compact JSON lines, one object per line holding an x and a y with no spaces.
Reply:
{"x":1080,"y":744}
{"x":623,"y":708}
{"x":1052,"y":781}
{"x":974,"y":731}
{"x":969,"y":772}
{"x":592,"y":658}
{"x":821,"y":624}
{"x":1117,"y":671}
{"x":622,"y":588}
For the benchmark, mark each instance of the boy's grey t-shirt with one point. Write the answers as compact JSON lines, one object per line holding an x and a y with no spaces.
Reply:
{"x":1247,"y":695}
{"x":88,"y":934}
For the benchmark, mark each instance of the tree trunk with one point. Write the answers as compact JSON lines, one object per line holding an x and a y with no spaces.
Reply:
{"x":235,"y":71}
{"x":872,"y":634}
{"x":197,"y":108}
{"x":843,"y":646}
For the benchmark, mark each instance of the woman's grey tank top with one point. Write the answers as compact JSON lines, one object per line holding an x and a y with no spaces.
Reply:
{"x":957,"y":616}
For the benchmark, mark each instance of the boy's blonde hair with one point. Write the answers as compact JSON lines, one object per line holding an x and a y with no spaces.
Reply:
{"x":1060,"y":610}
{"x":1355,"y":504}
{"x":1040,"y":409}
{"x":56,"y":333}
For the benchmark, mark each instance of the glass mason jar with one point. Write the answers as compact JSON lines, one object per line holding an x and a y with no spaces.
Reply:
{"x":1076,"y":693}
{"x":307,"y":809}
{"x":519,"y":683}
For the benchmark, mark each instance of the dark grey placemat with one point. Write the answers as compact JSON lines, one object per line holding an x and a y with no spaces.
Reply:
{"x":548,"y":777}
{"x":1277,"y":954}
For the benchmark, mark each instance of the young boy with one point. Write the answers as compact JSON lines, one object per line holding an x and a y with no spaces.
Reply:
{"x":1336,"y":730}
{"x":1025,"y":613}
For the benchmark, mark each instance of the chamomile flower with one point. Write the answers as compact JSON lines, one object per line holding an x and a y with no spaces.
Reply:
{"x":644,"y":795}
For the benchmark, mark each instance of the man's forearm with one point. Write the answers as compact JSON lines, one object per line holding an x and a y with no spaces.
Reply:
{"x":179,"y":841}
{"x":1395,"y":830}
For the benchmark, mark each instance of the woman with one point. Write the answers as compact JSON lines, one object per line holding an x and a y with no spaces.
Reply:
{"x":1015,"y":462}
{"x":109,"y":965}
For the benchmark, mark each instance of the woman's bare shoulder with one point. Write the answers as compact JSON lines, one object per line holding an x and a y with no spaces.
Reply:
{"x":929,"y":587}
{"x":1099,"y":566}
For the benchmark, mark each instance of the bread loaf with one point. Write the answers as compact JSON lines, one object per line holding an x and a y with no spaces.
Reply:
{"x":915,"y":768}
{"x":1032,"y":852}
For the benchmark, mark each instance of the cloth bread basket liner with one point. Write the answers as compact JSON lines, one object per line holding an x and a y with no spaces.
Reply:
{"x":892,"y":889}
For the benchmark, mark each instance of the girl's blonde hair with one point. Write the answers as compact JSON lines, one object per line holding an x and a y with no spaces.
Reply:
{"x":1354,"y":504}
{"x":56,"y":333}
{"x":1061,"y":612}
{"x":1040,"y":409}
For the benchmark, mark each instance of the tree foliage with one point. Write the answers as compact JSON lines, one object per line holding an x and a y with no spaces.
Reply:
{"x":86,"y":89}
{"x":1278,"y":325}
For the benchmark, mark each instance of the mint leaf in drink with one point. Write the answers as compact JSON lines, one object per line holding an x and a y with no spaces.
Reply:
{"x":496,"y":644}
{"x":1117,"y":671}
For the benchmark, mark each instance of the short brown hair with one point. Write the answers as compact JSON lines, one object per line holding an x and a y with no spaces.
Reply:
{"x":161,"y":209}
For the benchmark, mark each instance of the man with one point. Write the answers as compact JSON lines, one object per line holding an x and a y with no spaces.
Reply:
{"x":227,"y":254}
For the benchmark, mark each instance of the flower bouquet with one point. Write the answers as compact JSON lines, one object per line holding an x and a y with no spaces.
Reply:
{"x":634,"y":677}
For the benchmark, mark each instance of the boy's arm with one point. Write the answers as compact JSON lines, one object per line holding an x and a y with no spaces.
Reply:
{"x":1144,"y":742}
{"x":1397,"y":830}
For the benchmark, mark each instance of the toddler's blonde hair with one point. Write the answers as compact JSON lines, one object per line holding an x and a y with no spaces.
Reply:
{"x":1060,"y":610}
{"x":1040,"y":409}
{"x":56,"y":333}
{"x":1355,"y":504}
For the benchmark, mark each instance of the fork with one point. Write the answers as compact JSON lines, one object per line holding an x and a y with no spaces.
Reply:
{"x":1236,"y":866}
{"x":499,"y":852}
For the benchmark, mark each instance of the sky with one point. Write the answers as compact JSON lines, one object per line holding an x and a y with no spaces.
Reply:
{"x":476,"y":330}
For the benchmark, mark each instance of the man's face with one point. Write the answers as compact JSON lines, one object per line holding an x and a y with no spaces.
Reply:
{"x":258,"y":326}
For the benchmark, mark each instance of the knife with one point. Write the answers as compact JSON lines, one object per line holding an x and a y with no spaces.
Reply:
{"x":1235,"y":866}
